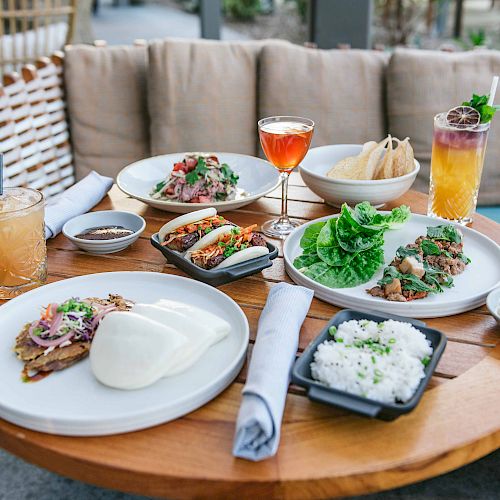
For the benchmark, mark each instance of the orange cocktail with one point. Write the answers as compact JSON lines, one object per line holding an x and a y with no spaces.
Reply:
{"x":23,"y":254}
{"x":285,"y":141}
{"x":456,"y":167}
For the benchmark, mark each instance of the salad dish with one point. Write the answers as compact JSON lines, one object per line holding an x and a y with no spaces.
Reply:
{"x":172,"y":346}
{"x":372,"y":364}
{"x":184,"y":182}
{"x":198,"y":178}
{"x":347,"y":250}
{"x":424,"y":267}
{"x":456,"y":279}
{"x":212,"y":249}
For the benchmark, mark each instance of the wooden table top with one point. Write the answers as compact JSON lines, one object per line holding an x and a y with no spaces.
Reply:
{"x":324,"y":452}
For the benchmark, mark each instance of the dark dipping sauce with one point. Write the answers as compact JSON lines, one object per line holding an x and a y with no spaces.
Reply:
{"x":104,"y":233}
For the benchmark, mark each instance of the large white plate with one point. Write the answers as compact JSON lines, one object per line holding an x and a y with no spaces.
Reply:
{"x":470,"y":290}
{"x":72,"y":402}
{"x":257,"y":178}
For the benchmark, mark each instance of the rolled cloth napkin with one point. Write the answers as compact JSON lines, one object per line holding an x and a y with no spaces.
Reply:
{"x":259,"y":420}
{"x":76,"y":200}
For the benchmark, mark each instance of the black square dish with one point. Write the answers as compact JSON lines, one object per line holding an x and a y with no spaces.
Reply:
{"x":301,"y":373}
{"x":217,"y":277}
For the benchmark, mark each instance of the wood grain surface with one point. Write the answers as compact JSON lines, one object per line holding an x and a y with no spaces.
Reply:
{"x":324,"y":452}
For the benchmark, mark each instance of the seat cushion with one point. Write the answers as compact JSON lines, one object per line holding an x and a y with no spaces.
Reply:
{"x":202,"y":96}
{"x":421,"y":84}
{"x":341,"y":90}
{"x":106,"y":94}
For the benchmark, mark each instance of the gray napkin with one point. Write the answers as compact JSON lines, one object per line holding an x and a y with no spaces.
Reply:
{"x":76,"y":200}
{"x":259,"y":419}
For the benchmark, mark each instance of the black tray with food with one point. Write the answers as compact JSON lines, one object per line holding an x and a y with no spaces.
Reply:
{"x":370,"y":340}
{"x":212,"y":249}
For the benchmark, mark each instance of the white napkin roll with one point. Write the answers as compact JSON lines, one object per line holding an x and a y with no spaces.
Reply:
{"x":76,"y":200}
{"x":259,"y":419}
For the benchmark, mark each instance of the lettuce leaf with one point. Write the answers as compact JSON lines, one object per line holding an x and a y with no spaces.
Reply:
{"x":310,"y":236}
{"x":305,"y":260}
{"x":328,"y":247}
{"x":359,"y":270}
{"x":395,"y":220}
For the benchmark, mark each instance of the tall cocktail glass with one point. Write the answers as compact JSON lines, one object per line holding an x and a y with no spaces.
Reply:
{"x":285,"y":141}
{"x":23,"y":253}
{"x":456,"y":168}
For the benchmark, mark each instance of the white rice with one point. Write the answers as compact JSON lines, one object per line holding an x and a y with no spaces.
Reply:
{"x":387,"y":368}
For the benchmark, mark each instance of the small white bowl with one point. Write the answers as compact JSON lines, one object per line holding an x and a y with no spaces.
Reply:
{"x":83,"y":222}
{"x":319,"y":161}
{"x":493,"y":303}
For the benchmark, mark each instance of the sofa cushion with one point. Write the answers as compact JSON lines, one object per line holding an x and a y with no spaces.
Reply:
{"x":106,"y":93}
{"x":202,"y":96}
{"x":421,"y":84}
{"x":341,"y":90}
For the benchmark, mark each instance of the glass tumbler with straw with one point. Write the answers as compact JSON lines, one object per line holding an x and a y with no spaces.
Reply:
{"x":458,"y":151}
{"x":23,"y":253}
{"x":285,"y":141}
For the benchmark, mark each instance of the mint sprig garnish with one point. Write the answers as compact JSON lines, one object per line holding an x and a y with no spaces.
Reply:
{"x":480,"y":103}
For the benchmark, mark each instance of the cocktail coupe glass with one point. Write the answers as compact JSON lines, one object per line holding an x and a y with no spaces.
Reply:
{"x":285,"y":141}
{"x":456,"y":168}
{"x":23,"y":253}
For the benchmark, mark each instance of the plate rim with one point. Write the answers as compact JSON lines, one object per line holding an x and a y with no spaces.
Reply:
{"x":196,"y":206}
{"x":100,"y":426}
{"x":416,"y":310}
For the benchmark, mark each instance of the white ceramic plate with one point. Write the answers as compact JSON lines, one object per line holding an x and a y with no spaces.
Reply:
{"x":470,"y":290}
{"x":319,"y":161}
{"x":72,"y":402}
{"x":257,"y":178}
{"x":493,"y":303}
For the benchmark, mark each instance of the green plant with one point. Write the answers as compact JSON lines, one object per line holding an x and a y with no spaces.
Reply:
{"x":477,"y":38}
{"x":242,"y":9}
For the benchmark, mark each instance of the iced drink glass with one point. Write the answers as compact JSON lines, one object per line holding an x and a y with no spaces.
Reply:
{"x":23,"y":253}
{"x":456,"y":167}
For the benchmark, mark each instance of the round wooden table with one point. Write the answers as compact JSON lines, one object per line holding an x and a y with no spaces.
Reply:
{"x":323,"y":452}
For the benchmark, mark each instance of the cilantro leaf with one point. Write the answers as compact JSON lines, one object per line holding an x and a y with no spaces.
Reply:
{"x":228,"y":174}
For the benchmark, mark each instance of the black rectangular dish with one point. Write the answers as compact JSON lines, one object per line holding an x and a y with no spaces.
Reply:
{"x":216,"y":277}
{"x":301,"y":373}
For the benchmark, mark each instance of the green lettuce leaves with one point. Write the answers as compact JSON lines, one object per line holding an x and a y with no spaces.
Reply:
{"x":346,"y":251}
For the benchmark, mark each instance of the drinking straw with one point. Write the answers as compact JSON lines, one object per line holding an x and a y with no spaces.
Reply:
{"x":493,"y":90}
{"x":1,"y":174}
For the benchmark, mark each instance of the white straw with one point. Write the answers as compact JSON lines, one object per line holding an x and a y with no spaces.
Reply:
{"x":493,"y":90}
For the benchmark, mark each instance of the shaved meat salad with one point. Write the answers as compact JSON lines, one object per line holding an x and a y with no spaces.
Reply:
{"x":63,"y":333}
{"x":424,"y":267}
{"x":198,"y":178}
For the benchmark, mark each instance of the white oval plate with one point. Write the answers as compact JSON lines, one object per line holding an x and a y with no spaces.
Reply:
{"x":470,"y":290}
{"x":73,"y":403}
{"x":257,"y":178}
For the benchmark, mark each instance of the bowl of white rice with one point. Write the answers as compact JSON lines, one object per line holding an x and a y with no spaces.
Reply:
{"x":374,"y":365}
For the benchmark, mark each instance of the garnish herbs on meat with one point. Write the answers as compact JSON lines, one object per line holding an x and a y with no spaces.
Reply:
{"x":424,"y":267}
{"x":198,"y":178}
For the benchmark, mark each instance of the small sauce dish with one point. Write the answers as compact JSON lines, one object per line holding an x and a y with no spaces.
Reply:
{"x":493,"y":303}
{"x":106,"y":218}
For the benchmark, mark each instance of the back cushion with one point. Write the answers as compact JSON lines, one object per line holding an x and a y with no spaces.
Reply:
{"x":106,"y":91}
{"x":341,"y":90}
{"x":421,"y":84}
{"x":202,"y":96}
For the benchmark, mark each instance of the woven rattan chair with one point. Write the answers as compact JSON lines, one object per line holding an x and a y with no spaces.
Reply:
{"x":33,"y":28}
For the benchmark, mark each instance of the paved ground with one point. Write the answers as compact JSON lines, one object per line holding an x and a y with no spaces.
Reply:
{"x":21,"y":481}
{"x":124,"y":24}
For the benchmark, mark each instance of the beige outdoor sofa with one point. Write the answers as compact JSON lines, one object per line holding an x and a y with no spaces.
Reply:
{"x":127,"y":103}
